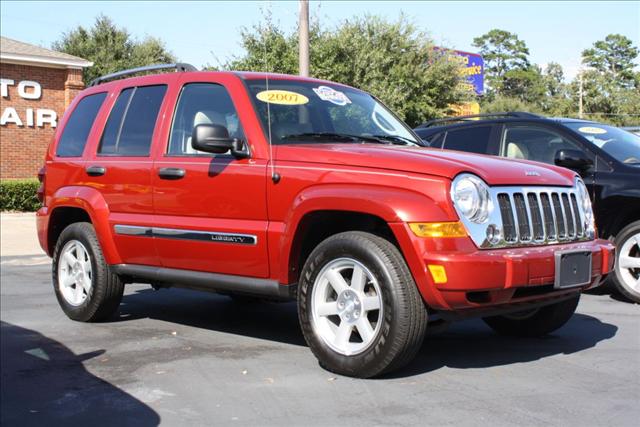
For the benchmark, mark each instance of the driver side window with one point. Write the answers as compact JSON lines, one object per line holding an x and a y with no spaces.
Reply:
{"x":534,"y":143}
{"x":201,"y":103}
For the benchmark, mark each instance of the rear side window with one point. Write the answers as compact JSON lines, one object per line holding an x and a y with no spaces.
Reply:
{"x":76,"y":131}
{"x":129,"y":129}
{"x":474,"y":140}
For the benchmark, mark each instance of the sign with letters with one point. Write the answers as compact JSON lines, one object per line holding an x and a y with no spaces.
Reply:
{"x":27,"y":117}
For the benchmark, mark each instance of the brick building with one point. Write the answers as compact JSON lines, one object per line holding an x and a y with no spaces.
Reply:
{"x":36,"y":86}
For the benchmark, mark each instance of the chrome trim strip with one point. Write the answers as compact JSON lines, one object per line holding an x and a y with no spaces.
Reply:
{"x":133,"y":230}
{"x":183,"y":234}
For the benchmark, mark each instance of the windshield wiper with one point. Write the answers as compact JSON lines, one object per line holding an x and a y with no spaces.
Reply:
{"x":329,"y":137}
{"x":397,"y":139}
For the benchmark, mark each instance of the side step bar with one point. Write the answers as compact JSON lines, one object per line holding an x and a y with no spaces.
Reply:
{"x":203,"y":281}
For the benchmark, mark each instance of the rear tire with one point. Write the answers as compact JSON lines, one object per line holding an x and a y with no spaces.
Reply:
{"x":359,"y":308}
{"x":626,"y":275}
{"x":536,"y":322}
{"x":86,"y":288}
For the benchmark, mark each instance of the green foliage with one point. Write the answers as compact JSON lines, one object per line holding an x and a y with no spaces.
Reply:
{"x":614,"y":56}
{"x":506,"y":104}
{"x":502,"y":52}
{"x":19,"y":195}
{"x":526,"y":84}
{"x":111,"y":48}
{"x":392,"y":60}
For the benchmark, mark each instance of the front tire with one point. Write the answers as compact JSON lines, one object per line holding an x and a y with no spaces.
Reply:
{"x":626,"y":277}
{"x":86,"y":288}
{"x":359,"y":308}
{"x":534,"y":322}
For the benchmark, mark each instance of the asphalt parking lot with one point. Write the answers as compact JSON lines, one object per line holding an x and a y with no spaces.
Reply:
{"x":177,"y":357}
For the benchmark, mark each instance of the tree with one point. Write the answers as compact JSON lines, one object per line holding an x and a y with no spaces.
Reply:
{"x":111,"y":48}
{"x":526,"y":84}
{"x":614,"y":56}
{"x":502,"y":52}
{"x":392,"y":60}
{"x":501,"y":104}
{"x":553,"y":78}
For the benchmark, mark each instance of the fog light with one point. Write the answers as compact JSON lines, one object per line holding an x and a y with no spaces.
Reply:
{"x":438,"y":273}
{"x":494,"y":235}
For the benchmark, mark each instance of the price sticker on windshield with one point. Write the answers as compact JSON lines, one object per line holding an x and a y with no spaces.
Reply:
{"x":282,"y":97}
{"x":592,"y":130}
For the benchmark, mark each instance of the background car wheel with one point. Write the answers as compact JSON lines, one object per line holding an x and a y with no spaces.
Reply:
{"x":359,"y":308}
{"x":85,"y":287}
{"x":534,"y":322}
{"x":626,"y":277}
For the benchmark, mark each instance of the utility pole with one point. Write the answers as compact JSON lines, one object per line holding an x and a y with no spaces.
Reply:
{"x":580,"y":93}
{"x":303,"y":38}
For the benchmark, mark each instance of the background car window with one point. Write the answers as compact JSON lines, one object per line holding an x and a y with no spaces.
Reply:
{"x":76,"y":131}
{"x":474,"y":140}
{"x":130,"y":126}
{"x":534,"y":143}
{"x":202,"y":103}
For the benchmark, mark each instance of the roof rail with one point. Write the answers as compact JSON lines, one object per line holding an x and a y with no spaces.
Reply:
{"x":518,"y":114}
{"x":178,"y":67}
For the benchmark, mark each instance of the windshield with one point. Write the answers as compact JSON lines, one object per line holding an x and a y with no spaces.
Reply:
{"x":314,"y":113}
{"x":622,"y":145}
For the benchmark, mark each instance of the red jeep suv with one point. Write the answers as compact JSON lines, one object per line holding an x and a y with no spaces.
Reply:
{"x":286,"y":187}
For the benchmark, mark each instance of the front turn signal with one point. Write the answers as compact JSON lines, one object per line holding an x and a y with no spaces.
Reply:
{"x":438,"y":229}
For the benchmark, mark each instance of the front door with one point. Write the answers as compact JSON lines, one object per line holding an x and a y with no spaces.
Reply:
{"x":210,"y":210}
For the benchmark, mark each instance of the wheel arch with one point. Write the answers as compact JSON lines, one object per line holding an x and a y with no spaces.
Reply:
{"x":615,"y":212}
{"x":81,"y":204}
{"x":322,"y":211}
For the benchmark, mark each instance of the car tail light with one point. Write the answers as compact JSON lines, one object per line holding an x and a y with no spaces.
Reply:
{"x":41,"y":177}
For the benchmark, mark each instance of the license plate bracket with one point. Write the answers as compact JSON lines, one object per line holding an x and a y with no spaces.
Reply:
{"x":573,"y":268}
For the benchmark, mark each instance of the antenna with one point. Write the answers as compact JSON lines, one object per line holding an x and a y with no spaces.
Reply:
{"x":275,"y":176}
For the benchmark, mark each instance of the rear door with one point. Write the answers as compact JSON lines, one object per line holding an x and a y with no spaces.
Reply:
{"x":473,"y":139}
{"x":210,"y":210}
{"x":120,"y":167}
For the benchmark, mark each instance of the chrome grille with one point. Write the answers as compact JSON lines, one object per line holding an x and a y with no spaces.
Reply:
{"x":541,"y":216}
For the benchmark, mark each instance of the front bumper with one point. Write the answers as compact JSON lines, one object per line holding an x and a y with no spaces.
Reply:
{"x":486,"y":278}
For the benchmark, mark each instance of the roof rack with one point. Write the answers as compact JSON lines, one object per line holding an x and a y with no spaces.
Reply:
{"x":180,"y":67}
{"x":518,"y":114}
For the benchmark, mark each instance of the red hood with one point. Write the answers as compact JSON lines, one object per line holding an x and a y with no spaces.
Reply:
{"x":493,"y":170}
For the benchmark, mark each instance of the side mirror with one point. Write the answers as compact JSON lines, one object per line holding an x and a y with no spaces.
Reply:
{"x":215,"y":139}
{"x":572,"y":159}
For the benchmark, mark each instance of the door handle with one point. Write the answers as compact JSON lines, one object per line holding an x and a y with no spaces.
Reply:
{"x":96,"y":170}
{"x":171,"y":173}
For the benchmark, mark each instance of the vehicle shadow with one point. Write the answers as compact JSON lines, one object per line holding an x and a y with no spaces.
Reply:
{"x":45,"y":384}
{"x":465,"y":345}
{"x":273,"y":321}
{"x":471,"y":344}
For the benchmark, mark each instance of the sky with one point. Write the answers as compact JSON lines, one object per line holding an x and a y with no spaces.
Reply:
{"x":203,"y":32}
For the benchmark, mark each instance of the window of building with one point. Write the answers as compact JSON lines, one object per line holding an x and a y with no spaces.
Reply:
{"x":76,"y":131}
{"x":129,"y":129}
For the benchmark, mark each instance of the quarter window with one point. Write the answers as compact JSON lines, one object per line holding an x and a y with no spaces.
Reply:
{"x":202,"y":103}
{"x":76,"y":131}
{"x":129,"y":130}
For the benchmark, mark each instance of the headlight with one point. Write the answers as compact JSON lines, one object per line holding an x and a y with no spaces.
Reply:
{"x":587,"y":209}
{"x":470,"y":196}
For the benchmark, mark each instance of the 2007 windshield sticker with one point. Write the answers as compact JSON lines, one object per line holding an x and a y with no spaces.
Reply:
{"x":592,"y":130}
{"x":334,"y":96}
{"x":282,"y":97}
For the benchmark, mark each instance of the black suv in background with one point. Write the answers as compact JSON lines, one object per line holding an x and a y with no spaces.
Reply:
{"x":607,"y":158}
